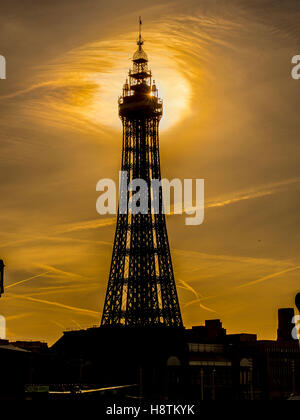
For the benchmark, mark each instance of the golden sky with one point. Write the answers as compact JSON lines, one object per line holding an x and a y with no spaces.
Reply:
{"x":231,"y":117}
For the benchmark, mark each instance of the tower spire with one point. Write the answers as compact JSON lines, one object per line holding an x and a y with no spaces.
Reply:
{"x":140,"y":41}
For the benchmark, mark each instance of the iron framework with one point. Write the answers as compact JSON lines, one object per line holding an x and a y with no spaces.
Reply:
{"x":141,"y":289}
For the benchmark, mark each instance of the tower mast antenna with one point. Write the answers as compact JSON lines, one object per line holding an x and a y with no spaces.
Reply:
{"x":140,"y":41}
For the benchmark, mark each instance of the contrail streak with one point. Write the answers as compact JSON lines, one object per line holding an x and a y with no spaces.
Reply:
{"x":198,"y":299}
{"x":60,"y":305}
{"x":25,"y":280}
{"x":270,"y":276}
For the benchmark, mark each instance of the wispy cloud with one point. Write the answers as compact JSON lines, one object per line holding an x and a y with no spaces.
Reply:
{"x":250,"y":261}
{"x":184,"y":285}
{"x":58,"y":324}
{"x":260,"y":191}
{"x":268,"y":277}
{"x":88,"y":312}
{"x":230,"y":290}
{"x":86,"y":225}
{"x":60,"y":272}
{"x":26,"y":280}
{"x":18,"y":316}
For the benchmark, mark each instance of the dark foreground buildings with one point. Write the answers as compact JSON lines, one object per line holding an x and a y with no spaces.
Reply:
{"x":240,"y":367}
{"x":202,"y":363}
{"x":141,"y":349}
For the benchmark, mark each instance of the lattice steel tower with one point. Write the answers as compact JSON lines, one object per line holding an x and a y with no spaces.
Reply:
{"x":141,"y":289}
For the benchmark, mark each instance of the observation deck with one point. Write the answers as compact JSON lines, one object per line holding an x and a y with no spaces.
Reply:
{"x":140,"y":95}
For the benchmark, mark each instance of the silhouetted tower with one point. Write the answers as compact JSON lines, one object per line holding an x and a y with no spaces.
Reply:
{"x":1,"y":277}
{"x":141,"y":289}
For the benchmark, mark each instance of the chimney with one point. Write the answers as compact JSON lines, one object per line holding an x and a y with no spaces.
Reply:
{"x":285,"y":324}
